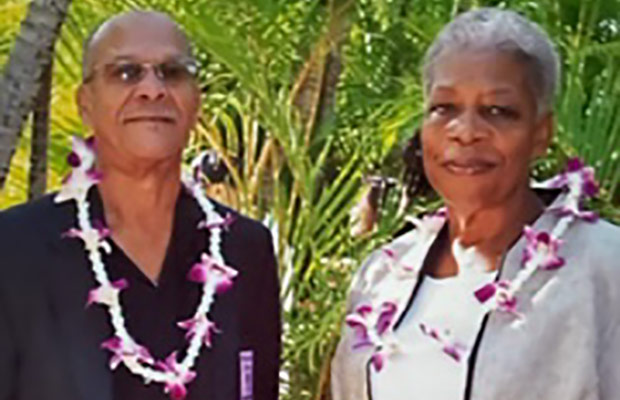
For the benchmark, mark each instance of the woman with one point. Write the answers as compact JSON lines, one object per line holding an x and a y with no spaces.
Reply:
{"x":509,"y":293}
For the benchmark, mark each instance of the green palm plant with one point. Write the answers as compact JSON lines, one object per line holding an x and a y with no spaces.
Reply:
{"x":303,"y":99}
{"x":30,"y":57}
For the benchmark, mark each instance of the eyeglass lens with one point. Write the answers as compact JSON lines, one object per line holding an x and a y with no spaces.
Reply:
{"x":169,"y":72}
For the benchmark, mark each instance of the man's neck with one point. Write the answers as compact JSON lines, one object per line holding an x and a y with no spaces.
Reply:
{"x":139,"y":209}
{"x":135,"y":199}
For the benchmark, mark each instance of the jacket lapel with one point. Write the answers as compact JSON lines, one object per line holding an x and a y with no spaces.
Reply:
{"x":411,"y":251}
{"x":79,"y":330}
{"x":493,"y":349}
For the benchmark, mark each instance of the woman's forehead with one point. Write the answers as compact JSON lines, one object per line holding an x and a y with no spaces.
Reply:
{"x":492,"y":72}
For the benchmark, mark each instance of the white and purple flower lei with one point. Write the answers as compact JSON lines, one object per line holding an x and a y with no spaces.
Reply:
{"x":373,"y":325}
{"x":211,"y":272}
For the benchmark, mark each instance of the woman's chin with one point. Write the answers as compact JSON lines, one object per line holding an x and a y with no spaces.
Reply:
{"x":470,"y":199}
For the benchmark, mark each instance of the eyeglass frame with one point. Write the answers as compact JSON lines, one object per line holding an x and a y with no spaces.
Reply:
{"x":190,"y":65}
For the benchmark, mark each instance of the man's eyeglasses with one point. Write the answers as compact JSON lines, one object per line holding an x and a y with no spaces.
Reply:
{"x":129,"y":73}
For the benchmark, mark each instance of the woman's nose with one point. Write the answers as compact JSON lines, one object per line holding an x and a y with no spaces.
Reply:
{"x":467,"y":127}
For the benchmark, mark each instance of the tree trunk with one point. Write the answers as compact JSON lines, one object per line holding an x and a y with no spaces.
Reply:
{"x":40,"y":132}
{"x":32,"y":53}
{"x":314,"y":91}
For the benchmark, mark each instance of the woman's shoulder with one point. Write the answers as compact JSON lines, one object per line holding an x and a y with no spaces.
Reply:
{"x":594,"y":248}
{"x":598,"y":240}
{"x":393,"y":264}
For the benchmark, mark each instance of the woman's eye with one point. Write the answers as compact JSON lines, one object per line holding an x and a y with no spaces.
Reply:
{"x":496,"y":111}
{"x":441,"y":109}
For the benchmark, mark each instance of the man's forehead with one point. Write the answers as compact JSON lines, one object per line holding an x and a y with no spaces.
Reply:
{"x":133,"y":34}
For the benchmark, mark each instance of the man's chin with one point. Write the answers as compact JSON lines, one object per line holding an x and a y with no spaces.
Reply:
{"x":154,"y":144}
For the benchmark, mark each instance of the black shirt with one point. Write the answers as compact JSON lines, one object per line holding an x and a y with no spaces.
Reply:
{"x":50,"y":344}
{"x":152,"y":310}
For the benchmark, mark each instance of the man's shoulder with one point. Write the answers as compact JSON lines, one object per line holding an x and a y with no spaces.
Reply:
{"x":29,"y":215}
{"x":25,"y":232}
{"x":243,"y":226}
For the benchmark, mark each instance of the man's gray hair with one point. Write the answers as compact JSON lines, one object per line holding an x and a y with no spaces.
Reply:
{"x":501,"y":30}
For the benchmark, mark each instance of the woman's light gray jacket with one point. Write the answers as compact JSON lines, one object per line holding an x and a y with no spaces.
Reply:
{"x":566,"y":348}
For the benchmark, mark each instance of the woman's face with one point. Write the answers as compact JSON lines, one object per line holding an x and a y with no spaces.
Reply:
{"x":481,"y":129}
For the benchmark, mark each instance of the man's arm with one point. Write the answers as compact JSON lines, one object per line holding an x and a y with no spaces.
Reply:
{"x":267,"y":324}
{"x":7,"y":354}
{"x":8,"y":350}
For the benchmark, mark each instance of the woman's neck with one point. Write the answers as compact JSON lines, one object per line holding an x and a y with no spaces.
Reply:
{"x":492,"y":230}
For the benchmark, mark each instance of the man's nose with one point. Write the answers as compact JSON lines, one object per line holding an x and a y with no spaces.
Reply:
{"x":151,"y":86}
{"x":468,"y":127}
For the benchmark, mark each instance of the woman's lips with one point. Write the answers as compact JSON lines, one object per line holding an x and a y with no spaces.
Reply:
{"x":469,"y":166}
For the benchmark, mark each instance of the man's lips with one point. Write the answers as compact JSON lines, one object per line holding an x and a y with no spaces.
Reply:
{"x":468,"y":166}
{"x":150,"y":118}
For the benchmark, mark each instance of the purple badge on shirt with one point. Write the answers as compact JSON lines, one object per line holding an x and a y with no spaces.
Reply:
{"x":246,"y":370}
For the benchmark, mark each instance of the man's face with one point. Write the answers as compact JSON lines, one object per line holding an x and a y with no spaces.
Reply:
{"x":137,"y":97}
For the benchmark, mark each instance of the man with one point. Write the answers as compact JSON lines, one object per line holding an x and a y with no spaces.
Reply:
{"x":140,"y":99}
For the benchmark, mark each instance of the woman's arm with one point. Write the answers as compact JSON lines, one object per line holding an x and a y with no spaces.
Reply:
{"x":609,"y":364}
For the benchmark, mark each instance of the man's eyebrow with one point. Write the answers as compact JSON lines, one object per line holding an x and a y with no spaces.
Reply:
{"x":131,"y":58}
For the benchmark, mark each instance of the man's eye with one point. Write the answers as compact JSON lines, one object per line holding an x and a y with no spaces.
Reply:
{"x":127,"y":73}
{"x":174,"y":72}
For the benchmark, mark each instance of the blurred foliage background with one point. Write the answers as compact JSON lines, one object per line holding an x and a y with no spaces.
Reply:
{"x":307,"y":107}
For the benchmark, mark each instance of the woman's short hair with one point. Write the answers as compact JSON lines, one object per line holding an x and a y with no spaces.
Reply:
{"x":500,"y":30}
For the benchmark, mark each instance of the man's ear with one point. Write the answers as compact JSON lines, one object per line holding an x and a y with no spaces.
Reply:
{"x":543,"y":135}
{"x":83,"y":100}
{"x":197,"y":99}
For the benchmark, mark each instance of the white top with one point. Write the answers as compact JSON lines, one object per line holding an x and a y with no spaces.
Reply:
{"x":421,"y":370}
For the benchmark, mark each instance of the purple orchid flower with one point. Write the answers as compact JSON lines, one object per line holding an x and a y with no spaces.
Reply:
{"x":378,"y":360}
{"x":486,"y":292}
{"x":121,"y":350}
{"x":225,"y":223}
{"x":428,"y":331}
{"x":81,"y":148}
{"x":101,"y":227}
{"x":83,"y":176}
{"x":500,"y":291}
{"x":208,"y":268}
{"x":389,"y":253}
{"x":581,"y":183}
{"x":508,"y":304}
{"x":200,"y":324}
{"x":573,"y":208}
{"x":74,"y":160}
{"x":386,"y":316}
{"x":90,"y":143}
{"x":452,"y":348}
{"x":107,"y":295}
{"x":543,"y":246}
{"x":362,"y":323}
{"x":364,"y":309}
{"x":455,"y":350}
{"x":175,"y":388}
{"x":92,"y":238}
{"x":359,"y":324}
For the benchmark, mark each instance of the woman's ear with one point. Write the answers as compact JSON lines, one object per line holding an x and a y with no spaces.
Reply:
{"x":543,"y":135}
{"x":83,"y":100}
